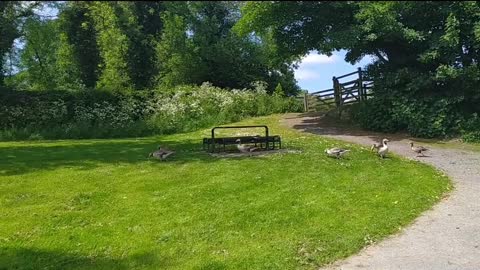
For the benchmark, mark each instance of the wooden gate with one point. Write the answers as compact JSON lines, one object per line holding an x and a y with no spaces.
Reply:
{"x":342,"y":93}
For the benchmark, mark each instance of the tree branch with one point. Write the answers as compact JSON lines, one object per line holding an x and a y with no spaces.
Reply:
{"x":380,"y":56}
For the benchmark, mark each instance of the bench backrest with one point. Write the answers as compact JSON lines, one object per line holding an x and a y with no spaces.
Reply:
{"x":230,"y":127}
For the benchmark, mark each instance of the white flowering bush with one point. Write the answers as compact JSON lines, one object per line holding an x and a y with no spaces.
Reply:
{"x":95,"y":114}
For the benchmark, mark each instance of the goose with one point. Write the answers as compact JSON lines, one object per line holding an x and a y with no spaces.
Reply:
{"x":375,"y":147}
{"x":418,"y":149}
{"x":161,"y":153}
{"x":383,"y":150}
{"x":336,"y":152}
{"x":244,"y":148}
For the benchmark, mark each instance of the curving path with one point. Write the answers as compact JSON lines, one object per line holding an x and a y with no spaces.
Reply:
{"x":445,"y":237}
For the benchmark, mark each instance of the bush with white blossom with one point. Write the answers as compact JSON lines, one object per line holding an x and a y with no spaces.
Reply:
{"x":94,"y":114}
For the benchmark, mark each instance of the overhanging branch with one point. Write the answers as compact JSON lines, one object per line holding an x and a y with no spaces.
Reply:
{"x":380,"y":56}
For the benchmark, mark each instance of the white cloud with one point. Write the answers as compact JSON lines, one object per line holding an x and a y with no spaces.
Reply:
{"x":315,"y":58}
{"x":309,"y":69}
{"x":306,"y":74}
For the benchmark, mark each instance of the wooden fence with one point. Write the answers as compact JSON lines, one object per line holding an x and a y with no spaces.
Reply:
{"x":356,"y":89}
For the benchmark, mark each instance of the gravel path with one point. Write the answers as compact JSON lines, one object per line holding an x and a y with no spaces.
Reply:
{"x":445,"y":237}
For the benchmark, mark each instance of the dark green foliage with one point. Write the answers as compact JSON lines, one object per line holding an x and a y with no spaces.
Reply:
{"x":12,"y":16}
{"x":375,"y":115}
{"x":470,"y":128}
{"x":211,"y":52}
{"x":141,"y":61}
{"x":426,"y":72}
{"x":79,"y":32}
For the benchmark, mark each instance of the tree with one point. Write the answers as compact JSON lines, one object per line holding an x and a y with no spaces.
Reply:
{"x":174,"y":53}
{"x":399,"y":34}
{"x":12,"y":16}
{"x":79,"y":56}
{"x":38,"y":57}
{"x":113,"y":46}
{"x":216,"y":54}
{"x":143,"y":34}
{"x":137,"y":45}
{"x":139,"y":23}
{"x":279,"y":90}
{"x":426,"y":52}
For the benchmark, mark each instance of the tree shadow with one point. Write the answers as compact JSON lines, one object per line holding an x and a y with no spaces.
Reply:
{"x":21,"y":159}
{"x":31,"y":258}
{"x":320,"y":124}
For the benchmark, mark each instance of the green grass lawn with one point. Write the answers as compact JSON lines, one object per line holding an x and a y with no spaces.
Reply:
{"x":100,"y":204}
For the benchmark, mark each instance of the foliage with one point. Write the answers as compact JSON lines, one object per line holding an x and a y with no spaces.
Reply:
{"x":198,"y":45}
{"x":426,"y":118}
{"x":470,"y":128}
{"x":279,"y":90}
{"x":38,"y":56}
{"x":144,"y":26}
{"x":174,"y":53}
{"x":101,"y":204}
{"x":78,"y":55}
{"x":12,"y":16}
{"x":426,"y":72}
{"x":118,"y":46}
{"x":375,"y":114}
{"x":68,"y":75}
{"x":103,"y":114}
{"x":113,"y":46}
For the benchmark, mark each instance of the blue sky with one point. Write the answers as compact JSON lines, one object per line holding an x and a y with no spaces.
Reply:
{"x":315,"y":71}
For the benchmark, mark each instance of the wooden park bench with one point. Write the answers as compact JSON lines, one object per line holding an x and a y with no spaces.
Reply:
{"x":267,"y":142}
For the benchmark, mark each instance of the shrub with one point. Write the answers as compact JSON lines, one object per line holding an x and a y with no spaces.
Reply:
{"x":422,"y":104}
{"x":427,"y":118}
{"x":470,"y":128}
{"x":376,"y":115}
{"x":97,"y":114}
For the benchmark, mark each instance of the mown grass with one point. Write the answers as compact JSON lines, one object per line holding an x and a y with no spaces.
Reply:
{"x":100,"y":204}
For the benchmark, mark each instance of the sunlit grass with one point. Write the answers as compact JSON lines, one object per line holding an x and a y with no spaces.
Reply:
{"x":100,"y":204}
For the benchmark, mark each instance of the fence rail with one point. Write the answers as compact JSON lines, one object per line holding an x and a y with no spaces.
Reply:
{"x":342,"y":93}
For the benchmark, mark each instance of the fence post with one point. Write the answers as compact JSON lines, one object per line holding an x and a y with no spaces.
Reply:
{"x":305,"y":101}
{"x":336,"y":92}
{"x":360,"y":85}
{"x":338,"y":95}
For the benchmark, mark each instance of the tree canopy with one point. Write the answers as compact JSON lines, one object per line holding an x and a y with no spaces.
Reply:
{"x":426,"y":69}
{"x":120,"y":46}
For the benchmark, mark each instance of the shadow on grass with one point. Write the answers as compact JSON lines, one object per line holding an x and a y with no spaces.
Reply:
{"x":318,"y":123}
{"x":21,"y":159}
{"x":29,"y":258}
